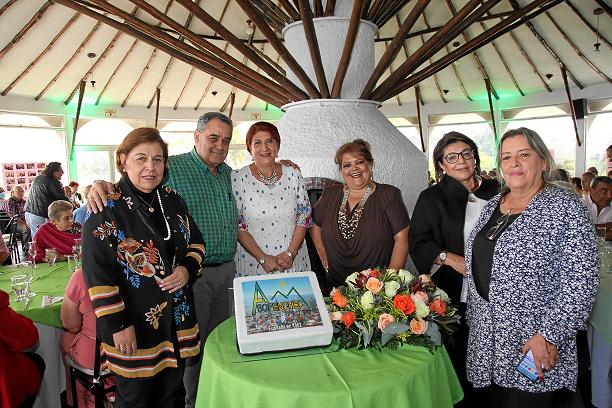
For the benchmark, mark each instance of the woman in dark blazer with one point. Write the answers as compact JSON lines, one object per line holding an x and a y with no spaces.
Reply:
{"x":443,"y":217}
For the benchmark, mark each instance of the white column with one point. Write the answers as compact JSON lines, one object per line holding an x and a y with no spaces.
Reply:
{"x":582,"y":125}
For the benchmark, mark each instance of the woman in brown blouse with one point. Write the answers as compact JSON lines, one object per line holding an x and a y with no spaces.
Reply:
{"x":361,"y":224}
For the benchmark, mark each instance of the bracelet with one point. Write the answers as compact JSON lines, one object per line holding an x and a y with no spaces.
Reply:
{"x":291,"y":255}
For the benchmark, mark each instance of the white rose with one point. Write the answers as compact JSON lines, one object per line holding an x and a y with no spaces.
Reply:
{"x":335,"y":316}
{"x":405,"y":276}
{"x":367,"y":300}
{"x":391,"y":288}
{"x":351,"y":278}
{"x":439,"y":293}
{"x":422,"y":309}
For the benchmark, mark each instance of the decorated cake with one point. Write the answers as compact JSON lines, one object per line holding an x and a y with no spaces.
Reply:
{"x":282,"y":311}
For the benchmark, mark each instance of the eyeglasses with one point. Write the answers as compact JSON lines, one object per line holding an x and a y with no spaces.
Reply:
{"x":467,"y":154}
{"x":499,"y":226}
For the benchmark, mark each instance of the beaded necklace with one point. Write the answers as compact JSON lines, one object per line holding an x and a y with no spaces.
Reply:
{"x":348,"y":226}
{"x":151,"y":210}
{"x":269,"y":181}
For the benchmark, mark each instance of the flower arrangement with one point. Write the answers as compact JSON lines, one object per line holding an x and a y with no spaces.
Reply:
{"x":386,"y":308}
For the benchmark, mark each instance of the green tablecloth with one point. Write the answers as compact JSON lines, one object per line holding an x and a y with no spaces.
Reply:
{"x":407,"y":377}
{"x":49,"y":281}
{"x":601,"y":317}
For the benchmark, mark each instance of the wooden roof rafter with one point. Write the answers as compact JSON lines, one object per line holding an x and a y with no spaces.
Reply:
{"x":517,"y":18}
{"x":244,"y":49}
{"x":576,"y":49}
{"x":35,"y":18}
{"x":435,"y":78}
{"x":44,"y":52}
{"x":466,"y":16}
{"x":299,"y":72}
{"x":6,"y":6}
{"x":313,"y":46}
{"x":587,"y":23}
{"x":544,"y":43}
{"x":529,"y":61}
{"x":178,"y":53}
{"x":347,"y":50}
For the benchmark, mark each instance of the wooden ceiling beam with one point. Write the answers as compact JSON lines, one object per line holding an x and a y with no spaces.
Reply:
{"x":453,"y":65}
{"x":540,"y":38}
{"x":76,"y":120}
{"x":283,"y":17}
{"x":347,"y":50}
{"x":268,"y":16}
{"x":479,"y":63}
{"x":261,"y":92}
{"x":41,"y":55}
{"x":70,"y":60}
{"x":313,"y":47}
{"x":248,"y":98}
{"x":435,"y":78}
{"x":530,"y":61}
{"x":586,"y":23}
{"x":35,"y":18}
{"x":6,"y":6}
{"x":245,"y":50}
{"x":577,"y":50}
{"x":417,"y":97}
{"x":146,"y":67}
{"x":399,"y":101}
{"x":178,"y":100}
{"x":117,"y":68}
{"x":318,"y":8}
{"x":295,"y":15}
{"x":435,"y":42}
{"x":182,"y":38}
{"x":391,"y":12}
{"x":231,"y":108}
{"x":491,"y":112}
{"x":374,"y":10}
{"x":278,"y":46}
{"x":235,"y":70}
{"x":330,"y":8}
{"x":157,"y":99}
{"x":570,"y":103}
{"x":518,"y":18}
{"x":395,"y":46}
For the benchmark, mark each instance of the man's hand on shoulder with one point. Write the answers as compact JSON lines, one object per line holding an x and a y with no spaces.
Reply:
{"x":289,"y":163}
{"x":96,"y":199}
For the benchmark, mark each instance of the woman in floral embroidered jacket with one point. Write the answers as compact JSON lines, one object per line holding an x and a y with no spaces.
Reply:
{"x":533,"y":268}
{"x":140,"y":256}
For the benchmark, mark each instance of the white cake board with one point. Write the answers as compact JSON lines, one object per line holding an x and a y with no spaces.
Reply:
{"x":282,"y":311}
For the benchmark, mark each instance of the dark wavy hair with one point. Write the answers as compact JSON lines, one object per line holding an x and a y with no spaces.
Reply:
{"x":51,"y":168}
{"x":447,"y":139}
{"x":262,"y":127}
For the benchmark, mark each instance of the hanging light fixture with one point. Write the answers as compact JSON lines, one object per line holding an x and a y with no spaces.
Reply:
{"x":598,"y":11}
{"x":92,"y":81}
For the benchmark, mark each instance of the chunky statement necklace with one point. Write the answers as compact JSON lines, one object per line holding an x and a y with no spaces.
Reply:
{"x":348,"y":225}
{"x":269,"y":181}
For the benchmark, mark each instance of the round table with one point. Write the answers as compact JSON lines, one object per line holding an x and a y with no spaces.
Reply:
{"x":323,"y":377}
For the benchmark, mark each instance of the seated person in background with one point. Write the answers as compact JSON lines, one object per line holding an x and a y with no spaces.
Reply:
{"x":2,"y":194}
{"x":59,"y":233}
{"x":15,"y":205}
{"x":586,"y":182}
{"x":78,"y":340}
{"x":20,"y":371}
{"x":5,"y":254}
{"x":598,"y":201}
{"x":74,"y":191}
{"x":593,"y":170}
{"x":493,"y":174}
{"x":81,"y":214}
{"x":576,"y":182}
{"x":75,"y":203}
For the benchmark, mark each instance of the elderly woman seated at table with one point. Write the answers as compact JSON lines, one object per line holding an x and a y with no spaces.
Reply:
{"x":59,"y":233}
{"x":78,"y":341}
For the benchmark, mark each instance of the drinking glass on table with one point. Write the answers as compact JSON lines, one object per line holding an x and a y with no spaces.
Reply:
{"x":21,"y":287}
{"x":51,"y":256}
{"x":76,"y":248}
{"x":73,"y":263}
{"x":30,"y":265}
{"x":32,"y":252}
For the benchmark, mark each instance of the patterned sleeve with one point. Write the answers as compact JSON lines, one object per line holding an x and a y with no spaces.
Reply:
{"x":196,"y":247}
{"x":579,"y":264}
{"x":304,"y":211}
{"x":236,"y":183}
{"x":101,"y":272}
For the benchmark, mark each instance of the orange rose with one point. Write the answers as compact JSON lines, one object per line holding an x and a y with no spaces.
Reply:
{"x":374,"y":273}
{"x":418,"y":326}
{"x":438,"y":306}
{"x":339,"y":299}
{"x":349,"y":318}
{"x":374,"y":285}
{"x":404,"y":303}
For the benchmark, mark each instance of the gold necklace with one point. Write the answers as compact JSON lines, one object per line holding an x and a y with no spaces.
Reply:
{"x":150,"y":205}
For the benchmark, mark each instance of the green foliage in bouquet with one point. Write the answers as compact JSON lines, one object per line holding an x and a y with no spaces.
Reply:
{"x":387,"y":308}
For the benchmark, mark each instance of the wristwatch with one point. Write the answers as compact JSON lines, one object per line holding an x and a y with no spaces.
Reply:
{"x":291,"y":255}
{"x":262,"y":261}
{"x":442,"y":257}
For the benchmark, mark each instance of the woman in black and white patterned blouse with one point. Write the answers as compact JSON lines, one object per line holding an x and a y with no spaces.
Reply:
{"x":532,"y":265}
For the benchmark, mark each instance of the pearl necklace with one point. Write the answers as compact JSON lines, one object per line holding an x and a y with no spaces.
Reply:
{"x":269,"y":181}
{"x":167,"y":237}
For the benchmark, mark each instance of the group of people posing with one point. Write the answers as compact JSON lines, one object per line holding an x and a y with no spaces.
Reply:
{"x":520,"y":259}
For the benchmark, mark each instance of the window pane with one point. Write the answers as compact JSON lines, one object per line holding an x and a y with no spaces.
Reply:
{"x":558,"y":135}
{"x":94,"y":165}
{"x":105,"y":132}
{"x":598,"y":140}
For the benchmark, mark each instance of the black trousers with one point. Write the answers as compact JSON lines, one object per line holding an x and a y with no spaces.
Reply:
{"x":164,"y":390}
